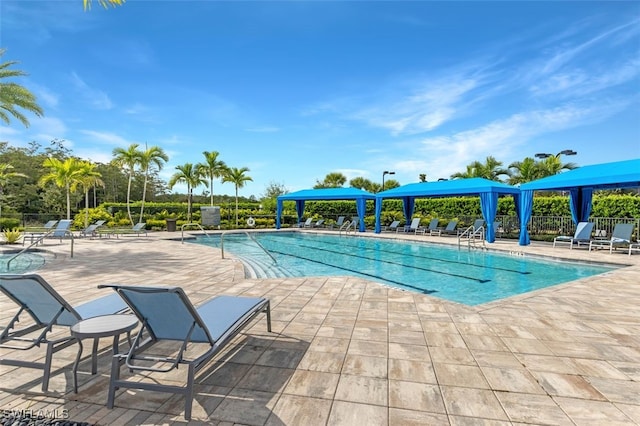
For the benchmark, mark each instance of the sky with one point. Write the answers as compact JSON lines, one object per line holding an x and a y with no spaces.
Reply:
{"x":295,"y":90}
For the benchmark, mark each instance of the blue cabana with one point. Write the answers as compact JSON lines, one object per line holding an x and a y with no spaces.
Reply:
{"x":358,"y":195}
{"x":580,"y":183}
{"x":488,"y":191}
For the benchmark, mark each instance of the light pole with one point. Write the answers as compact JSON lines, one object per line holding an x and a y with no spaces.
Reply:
{"x":386,"y":172}
{"x":563,"y":152}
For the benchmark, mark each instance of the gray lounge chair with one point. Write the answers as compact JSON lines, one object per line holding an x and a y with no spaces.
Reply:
{"x":433,"y":225}
{"x":450,"y":229}
{"x":92,"y":230}
{"x":166,"y":314}
{"x":37,"y":233}
{"x":48,"y":311}
{"x":307,"y":223}
{"x":621,"y":237}
{"x":137,"y":229}
{"x":393,"y":227}
{"x":581,"y":236}
{"x":415,"y":224}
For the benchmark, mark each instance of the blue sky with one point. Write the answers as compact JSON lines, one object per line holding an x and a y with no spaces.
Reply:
{"x":296,"y":90}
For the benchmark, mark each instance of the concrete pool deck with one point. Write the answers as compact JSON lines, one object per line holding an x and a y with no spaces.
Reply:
{"x":347,"y":351}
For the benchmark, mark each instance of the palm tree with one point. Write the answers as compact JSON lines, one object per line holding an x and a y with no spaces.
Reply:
{"x":64,"y":174}
{"x":6,"y":174}
{"x":491,"y":169}
{"x":192,"y":177}
{"x":154,"y":156}
{"x":238,"y":178}
{"x":212,"y":168}
{"x":331,"y":180}
{"x":14,"y":96}
{"x":524,"y":171}
{"x":103,"y":3}
{"x":88,"y":177}
{"x":128,"y":159}
{"x":553,"y":165}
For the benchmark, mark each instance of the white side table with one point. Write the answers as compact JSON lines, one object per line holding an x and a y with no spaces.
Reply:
{"x":95,"y":328}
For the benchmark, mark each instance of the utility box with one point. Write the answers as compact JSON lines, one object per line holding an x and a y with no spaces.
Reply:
{"x":210,"y":215}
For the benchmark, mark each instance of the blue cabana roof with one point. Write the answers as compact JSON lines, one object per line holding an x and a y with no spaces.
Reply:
{"x":356,"y":194}
{"x":328,"y":194}
{"x":619,"y":174}
{"x":580,"y":183}
{"x":448,"y":188}
{"x":488,"y":191}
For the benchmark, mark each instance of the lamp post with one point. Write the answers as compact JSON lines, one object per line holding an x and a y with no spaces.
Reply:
{"x":563,"y":152}
{"x":386,"y":172}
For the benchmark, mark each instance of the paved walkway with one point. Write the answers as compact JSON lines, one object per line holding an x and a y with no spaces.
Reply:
{"x":345,"y":351}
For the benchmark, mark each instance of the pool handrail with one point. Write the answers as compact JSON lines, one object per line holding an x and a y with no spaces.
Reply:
{"x":191,"y":224}
{"x":472,"y":234}
{"x":37,"y":241}
{"x":237,"y":231}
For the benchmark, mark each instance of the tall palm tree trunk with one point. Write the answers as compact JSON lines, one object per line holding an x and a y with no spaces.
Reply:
{"x":68,"y":201}
{"x":129,"y":198}
{"x":236,"y":206}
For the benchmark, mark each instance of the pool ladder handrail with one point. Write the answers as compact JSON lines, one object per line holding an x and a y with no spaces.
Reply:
{"x":36,"y":242}
{"x":248,"y":235}
{"x":472,"y":236}
{"x":191,"y":224}
{"x":346,"y":227}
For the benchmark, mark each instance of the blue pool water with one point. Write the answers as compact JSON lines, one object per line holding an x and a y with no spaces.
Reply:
{"x":26,"y":262}
{"x":466,"y":276}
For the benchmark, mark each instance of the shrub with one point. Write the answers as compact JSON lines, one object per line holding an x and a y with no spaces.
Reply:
{"x":12,"y":236}
{"x":9,"y":223}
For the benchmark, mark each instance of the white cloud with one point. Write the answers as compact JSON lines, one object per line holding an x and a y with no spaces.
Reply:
{"x":94,"y":97}
{"x":107,"y":138}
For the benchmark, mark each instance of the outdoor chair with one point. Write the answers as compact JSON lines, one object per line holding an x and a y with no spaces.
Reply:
{"x":433,"y":225}
{"x":581,"y":236}
{"x":621,"y":237}
{"x":137,"y":229}
{"x":42,"y":312}
{"x":318,"y":224}
{"x":393,"y":227}
{"x":450,"y":229}
{"x":92,"y":230}
{"x":37,"y":233}
{"x":307,"y":223}
{"x":338,"y":223}
{"x":167,"y":315}
{"x":415,"y":224}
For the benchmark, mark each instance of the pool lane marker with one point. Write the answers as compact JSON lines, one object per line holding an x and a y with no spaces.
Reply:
{"x":418,"y":256}
{"x":377,"y":260}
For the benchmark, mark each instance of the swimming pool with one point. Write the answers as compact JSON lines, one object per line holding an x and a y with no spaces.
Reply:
{"x":26,"y":262}
{"x":470,"y":277}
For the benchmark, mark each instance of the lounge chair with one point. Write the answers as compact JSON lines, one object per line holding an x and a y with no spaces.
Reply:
{"x":48,"y":311}
{"x":37,"y":233}
{"x":415,"y":224}
{"x":167,"y":315}
{"x":318,"y":224}
{"x":621,"y":237}
{"x":477,"y":224}
{"x":91,"y":230}
{"x":306,"y":224}
{"x":137,"y":229}
{"x":433,"y":225}
{"x":393,"y":227}
{"x":338,"y":223}
{"x":581,"y":236}
{"x":450,"y":229}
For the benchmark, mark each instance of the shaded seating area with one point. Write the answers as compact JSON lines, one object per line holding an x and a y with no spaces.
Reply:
{"x":620,"y":238}
{"x":581,"y":236}
{"x":43,"y":312}
{"x":580,"y":183}
{"x":301,"y":197}
{"x":197,"y":335}
{"x":487,"y":190}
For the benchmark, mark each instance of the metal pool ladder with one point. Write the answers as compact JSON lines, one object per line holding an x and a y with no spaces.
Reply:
{"x":473,"y":236}
{"x":348,"y":226}
{"x":248,"y":235}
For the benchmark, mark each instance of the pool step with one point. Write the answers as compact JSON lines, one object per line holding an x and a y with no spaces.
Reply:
{"x":263,"y":267}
